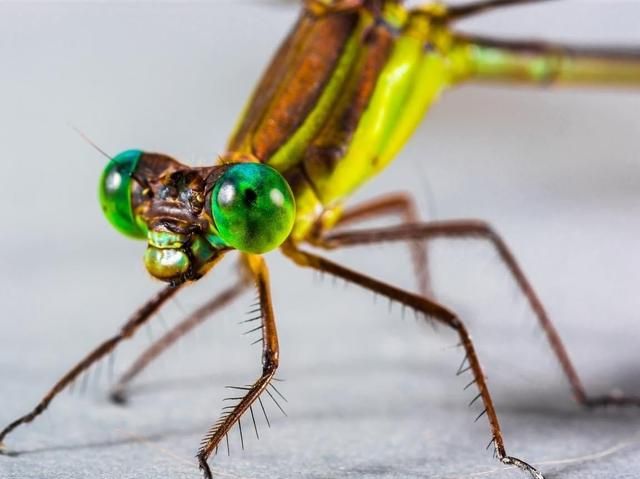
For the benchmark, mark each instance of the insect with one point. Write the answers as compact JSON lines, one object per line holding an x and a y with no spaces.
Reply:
{"x":340,"y":99}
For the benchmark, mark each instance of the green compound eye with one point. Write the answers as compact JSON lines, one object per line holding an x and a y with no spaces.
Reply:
{"x":253,"y":207}
{"x":115,"y":193}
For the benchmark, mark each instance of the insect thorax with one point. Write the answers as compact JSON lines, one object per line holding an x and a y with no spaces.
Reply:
{"x":332,"y":114}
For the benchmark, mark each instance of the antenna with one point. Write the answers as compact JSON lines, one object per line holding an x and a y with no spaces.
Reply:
{"x":88,"y":140}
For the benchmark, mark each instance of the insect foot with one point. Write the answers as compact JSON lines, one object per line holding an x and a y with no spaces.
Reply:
{"x":204,"y":467}
{"x":514,"y":461}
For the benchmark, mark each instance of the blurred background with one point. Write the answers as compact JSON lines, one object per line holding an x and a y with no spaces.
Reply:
{"x":370,"y":395}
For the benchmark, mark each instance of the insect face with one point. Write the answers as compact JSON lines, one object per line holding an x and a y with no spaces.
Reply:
{"x":191,"y":216}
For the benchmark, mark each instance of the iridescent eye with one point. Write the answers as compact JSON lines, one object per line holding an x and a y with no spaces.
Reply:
{"x":115,"y":193}
{"x":253,"y":207}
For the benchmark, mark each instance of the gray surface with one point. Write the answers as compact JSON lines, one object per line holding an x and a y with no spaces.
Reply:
{"x":369,"y":395}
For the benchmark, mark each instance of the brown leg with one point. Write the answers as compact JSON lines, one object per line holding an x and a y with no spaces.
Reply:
{"x":478,"y":229}
{"x":270,"y":357}
{"x":403,"y":205}
{"x":138,"y":319}
{"x":119,"y":391}
{"x":439,"y":313}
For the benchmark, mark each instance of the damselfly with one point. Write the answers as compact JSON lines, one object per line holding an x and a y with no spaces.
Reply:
{"x":343,"y":94}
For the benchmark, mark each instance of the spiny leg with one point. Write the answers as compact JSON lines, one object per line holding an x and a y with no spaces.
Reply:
{"x":433,"y":310}
{"x":401,"y":204}
{"x":138,"y":319}
{"x":464,"y":229}
{"x":270,"y":358}
{"x":119,"y":391}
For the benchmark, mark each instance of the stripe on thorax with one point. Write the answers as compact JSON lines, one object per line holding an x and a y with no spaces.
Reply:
{"x":410,"y":79}
{"x":332,"y":142}
{"x":271,"y":80}
{"x":297,"y":82}
{"x":293,"y":150}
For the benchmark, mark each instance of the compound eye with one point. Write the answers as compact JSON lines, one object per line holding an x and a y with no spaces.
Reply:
{"x":253,"y":207}
{"x":115,"y":191}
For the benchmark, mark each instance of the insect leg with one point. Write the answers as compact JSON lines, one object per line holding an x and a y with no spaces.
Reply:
{"x":466,"y":229}
{"x":119,"y":391}
{"x":138,"y":319}
{"x":430,"y":309}
{"x":270,"y":359}
{"x":403,"y":205}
